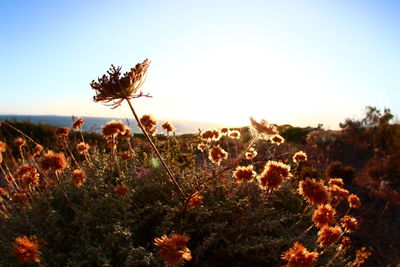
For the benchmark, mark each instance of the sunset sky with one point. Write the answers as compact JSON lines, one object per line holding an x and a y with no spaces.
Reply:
{"x":296,"y":62}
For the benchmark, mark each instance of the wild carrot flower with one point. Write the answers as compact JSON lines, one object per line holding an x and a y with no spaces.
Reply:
{"x":328,"y":235}
{"x":354,"y":201}
{"x":217,"y":154}
{"x":244,"y":173}
{"x":26,"y":249}
{"x":336,"y":181}
{"x":149,"y":124}
{"x":250,"y":154}
{"x":121,"y":189}
{"x":2,"y":147}
{"x":37,"y":150}
{"x":235,"y":134}
{"x":262,"y":129}
{"x":299,"y":256}
{"x":273,"y":175}
{"x":210,"y":135}
{"x":313,"y":192}
{"x":27,"y":175}
{"x":324,"y":215}
{"x":78,"y":124}
{"x":361,"y":255}
{"x":62,"y":132}
{"x":299,"y":156}
{"x":53,"y":161}
{"x":20,"y":142}
{"x":168,"y":126}
{"x":115,"y":87}
{"x":82,"y":147}
{"x":202,"y":147}
{"x":195,"y":201}
{"x":78,"y":177}
{"x":113,"y":128}
{"x":350,"y":224}
{"x":277,"y":139}
{"x":338,"y":192}
{"x":173,"y":249}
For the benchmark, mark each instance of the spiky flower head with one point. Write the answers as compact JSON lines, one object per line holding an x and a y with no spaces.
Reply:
{"x":273,"y":175}
{"x":173,"y":250}
{"x":328,"y":235}
{"x":299,"y":256}
{"x":210,"y":135}
{"x":26,"y":249}
{"x":217,"y":154}
{"x":53,"y":161}
{"x":79,"y":177}
{"x":314,"y":192}
{"x":336,"y":181}
{"x":202,"y":147}
{"x":350,"y":224}
{"x":78,"y":124}
{"x":250,"y":154}
{"x":27,"y":175}
{"x":277,"y":139}
{"x":234,"y":134}
{"x":82,"y":147}
{"x":115,"y":87}
{"x":244,"y":173}
{"x":62,"y":132}
{"x":113,"y":128}
{"x":262,"y":129}
{"x":324,"y":215}
{"x":19,"y":142}
{"x":354,"y":201}
{"x":149,"y":124}
{"x":168,"y":126}
{"x":299,"y":156}
{"x":338,"y":192}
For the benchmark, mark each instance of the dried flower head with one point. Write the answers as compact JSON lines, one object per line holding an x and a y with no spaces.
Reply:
{"x":324,"y":215}
{"x":121,"y":189}
{"x":273,"y":175}
{"x":53,"y":161}
{"x":26,"y":249}
{"x":19,"y":142}
{"x":350,"y":224}
{"x":328,"y":235}
{"x":173,"y":249}
{"x":244,"y":173}
{"x":62,"y":132}
{"x":149,"y":124}
{"x":127,"y":135}
{"x":336,"y":181}
{"x":27,"y":176}
{"x":113,"y":128}
{"x":82,"y":147}
{"x":2,"y":147}
{"x":224,"y":131}
{"x":299,"y":256}
{"x":361,"y":255}
{"x":195,"y":201}
{"x":78,"y":124}
{"x":217,"y":154}
{"x":338,"y":192}
{"x":277,"y":139}
{"x":78,"y":177}
{"x":202,"y":147}
{"x":234,"y":134}
{"x":314,"y":192}
{"x":354,"y":201}
{"x":114,"y":87}
{"x":168,"y":126}
{"x":263,"y":129}
{"x":250,"y":154}
{"x":299,"y":156}
{"x":37,"y":150}
{"x":210,"y":135}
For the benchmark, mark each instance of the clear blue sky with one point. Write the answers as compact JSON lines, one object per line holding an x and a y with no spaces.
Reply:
{"x":297,"y":62}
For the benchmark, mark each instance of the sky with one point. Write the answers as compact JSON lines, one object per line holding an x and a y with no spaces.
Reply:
{"x":297,"y":62}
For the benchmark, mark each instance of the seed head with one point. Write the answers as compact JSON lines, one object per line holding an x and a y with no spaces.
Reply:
{"x":210,"y":135}
{"x":314,"y":192}
{"x":299,"y":256}
{"x":2,"y":147}
{"x":338,"y":192}
{"x":195,"y":201}
{"x":173,"y":249}
{"x":273,"y":175}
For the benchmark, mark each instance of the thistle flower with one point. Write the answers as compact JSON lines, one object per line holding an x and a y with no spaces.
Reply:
{"x":235,"y":134}
{"x":299,"y":156}
{"x":149,"y":124}
{"x":82,"y":147}
{"x":112,"y":128}
{"x":338,"y":192}
{"x":313,"y":192}
{"x":250,"y":154}
{"x":328,"y":235}
{"x":37,"y":150}
{"x":350,"y":224}
{"x":217,"y":154}
{"x":336,"y":181}
{"x":168,"y":126}
{"x":121,"y":189}
{"x":53,"y":161}
{"x":173,"y":249}
{"x":20,"y":142}
{"x":114,"y":87}
{"x":62,"y":132}
{"x":299,"y":256}
{"x":195,"y":201}
{"x":202,"y":147}
{"x":277,"y":139}
{"x":78,"y":177}
{"x":244,"y":173}
{"x":354,"y":201}
{"x":78,"y":124}
{"x":273,"y":175}
{"x":210,"y":135}
{"x":27,"y":175}
{"x":2,"y":147}
{"x":324,"y":215}
{"x":262,"y":129}
{"x":26,"y":249}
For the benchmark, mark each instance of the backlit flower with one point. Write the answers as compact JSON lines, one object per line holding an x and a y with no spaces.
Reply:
{"x":235,"y":134}
{"x":2,"y":147}
{"x":26,"y":249}
{"x":277,"y":139}
{"x":173,"y":249}
{"x":168,"y":126}
{"x":354,"y":201}
{"x":350,"y":224}
{"x":82,"y":147}
{"x":273,"y":175}
{"x":78,"y":177}
{"x":210,"y":135}
{"x":195,"y":201}
{"x":263,"y":129}
{"x":53,"y":161}
{"x":62,"y":132}
{"x":244,"y":173}
{"x":361,"y":255}
{"x":250,"y":154}
{"x":149,"y":124}
{"x":19,"y":142}
{"x":336,"y":181}
{"x":121,"y":189}
{"x":299,"y":256}
{"x":328,"y":235}
{"x":113,"y":128}
{"x":202,"y":147}
{"x":338,"y":192}
{"x":78,"y":124}
{"x":224,"y":131}
{"x":314,"y":192}
{"x":217,"y":154}
{"x":324,"y":215}
{"x":299,"y":156}
{"x":37,"y":150}
{"x":27,"y":175}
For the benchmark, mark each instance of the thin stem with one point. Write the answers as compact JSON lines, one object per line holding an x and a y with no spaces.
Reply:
{"x":155,"y":149}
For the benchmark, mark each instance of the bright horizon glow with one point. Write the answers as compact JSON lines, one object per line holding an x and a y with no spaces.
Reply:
{"x":286,"y":62}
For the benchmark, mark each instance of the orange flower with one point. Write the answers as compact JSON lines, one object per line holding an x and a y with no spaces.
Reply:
{"x":121,"y":189}
{"x":299,"y":256}
{"x":37,"y":150}
{"x":273,"y":175}
{"x":173,"y":249}
{"x":224,"y":131}
{"x":27,"y":175}
{"x":328,"y":236}
{"x":149,"y":124}
{"x":2,"y":147}
{"x":202,"y":147}
{"x":62,"y":132}
{"x":250,"y":154}
{"x":314,"y":192}
{"x":277,"y":139}
{"x":82,"y":147}
{"x":127,"y":134}
{"x":20,"y":142}
{"x":324,"y":215}
{"x":112,"y":128}
{"x":217,"y":154}
{"x":210,"y":135}
{"x":361,"y":255}
{"x":26,"y":249}
{"x":244,"y":174}
{"x":168,"y":127}
{"x":345,"y":243}
{"x":19,"y":198}
{"x":79,"y":177}
{"x":53,"y":161}
{"x":78,"y":124}
{"x":338,"y":192}
{"x":262,"y":129}
{"x":350,"y":224}
{"x":299,"y":156}
{"x":336,"y":181}
{"x":235,"y":134}
{"x":354,"y":201}
{"x":195,"y":201}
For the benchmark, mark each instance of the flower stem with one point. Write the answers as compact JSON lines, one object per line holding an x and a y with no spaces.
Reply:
{"x":155,"y":149}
